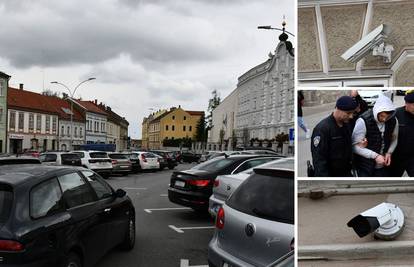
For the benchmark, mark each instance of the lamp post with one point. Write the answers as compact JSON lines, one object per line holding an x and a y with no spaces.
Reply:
{"x":268,"y":27}
{"x":72,"y":94}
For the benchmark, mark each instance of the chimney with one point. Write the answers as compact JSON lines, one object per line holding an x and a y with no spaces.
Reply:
{"x":21,"y":86}
{"x":96,"y":101}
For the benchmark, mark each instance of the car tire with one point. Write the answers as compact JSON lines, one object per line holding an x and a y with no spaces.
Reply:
{"x":73,"y":260}
{"x":171,"y":167}
{"x":129,"y":240}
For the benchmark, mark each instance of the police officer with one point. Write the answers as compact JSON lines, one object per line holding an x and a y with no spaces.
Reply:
{"x":403,"y":157}
{"x":331,"y":144}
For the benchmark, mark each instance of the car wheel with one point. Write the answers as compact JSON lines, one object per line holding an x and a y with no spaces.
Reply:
{"x":171,"y":167}
{"x":72,"y":260}
{"x":129,"y":241}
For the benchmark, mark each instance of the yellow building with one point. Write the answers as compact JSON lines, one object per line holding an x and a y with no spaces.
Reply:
{"x":174,"y":124}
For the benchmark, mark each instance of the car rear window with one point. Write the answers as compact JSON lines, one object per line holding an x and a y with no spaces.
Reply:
{"x":117,"y":156}
{"x":266,"y":197}
{"x":133,"y":155}
{"x":6,"y":201}
{"x":98,"y":155}
{"x":215,"y":165}
{"x":150,"y":155}
{"x":71,"y":156}
{"x":81,"y":154}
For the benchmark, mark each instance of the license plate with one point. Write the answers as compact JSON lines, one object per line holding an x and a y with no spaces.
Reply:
{"x":124,"y":167}
{"x":179,"y":183}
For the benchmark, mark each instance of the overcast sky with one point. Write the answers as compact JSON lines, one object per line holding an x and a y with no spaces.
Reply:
{"x":145,"y":54}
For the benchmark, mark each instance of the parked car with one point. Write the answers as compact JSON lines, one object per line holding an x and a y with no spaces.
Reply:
{"x":225,"y":185}
{"x":287,"y":260}
{"x":371,"y":96}
{"x":148,"y":161}
{"x":12,"y":160}
{"x":60,"y":158}
{"x":177,"y":156}
{"x":134,"y":159}
{"x":190,"y":157}
{"x":193,"y":188}
{"x":169,"y":159}
{"x":401,"y":92}
{"x":97,"y":161}
{"x":255,"y":226}
{"x":33,"y":153}
{"x":120,"y":163}
{"x":61,"y":216}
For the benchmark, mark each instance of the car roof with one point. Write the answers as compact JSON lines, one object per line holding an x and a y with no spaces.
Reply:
{"x":19,"y":174}
{"x":18,"y":160}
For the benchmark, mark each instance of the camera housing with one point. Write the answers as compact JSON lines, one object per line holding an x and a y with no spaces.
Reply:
{"x":373,"y":41}
{"x":386,"y":220}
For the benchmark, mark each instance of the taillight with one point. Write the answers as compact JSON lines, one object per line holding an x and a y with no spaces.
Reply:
{"x":10,"y":245}
{"x":114,"y":161}
{"x":292,"y":244}
{"x":200,"y":183}
{"x":220,"y":219}
{"x":144,"y":159}
{"x":216,"y":183}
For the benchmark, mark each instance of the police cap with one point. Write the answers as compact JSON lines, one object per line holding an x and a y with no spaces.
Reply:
{"x":409,"y":96}
{"x":346,"y":103}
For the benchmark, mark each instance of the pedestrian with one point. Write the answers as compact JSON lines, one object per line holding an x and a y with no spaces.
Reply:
{"x":331,"y":144}
{"x":379,"y":128}
{"x":301,"y":122}
{"x":362,"y":107}
{"x":403,"y":156}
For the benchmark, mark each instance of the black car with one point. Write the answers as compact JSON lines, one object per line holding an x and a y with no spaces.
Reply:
{"x":9,"y":160}
{"x":60,"y":216}
{"x":134,"y":159}
{"x":169,"y":159}
{"x":193,"y":187}
{"x":190,"y":157}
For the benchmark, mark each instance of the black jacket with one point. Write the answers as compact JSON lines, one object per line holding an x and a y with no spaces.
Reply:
{"x":331,"y":148}
{"x":405,"y":145}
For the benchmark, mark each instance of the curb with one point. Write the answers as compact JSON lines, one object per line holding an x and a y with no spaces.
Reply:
{"x":372,"y":250}
{"x":323,"y":193}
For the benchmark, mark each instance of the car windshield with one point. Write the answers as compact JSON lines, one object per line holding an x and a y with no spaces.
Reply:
{"x":150,"y":155}
{"x":215,"y":164}
{"x":117,"y":156}
{"x":266,"y":197}
{"x":98,"y":155}
{"x":71,"y":156}
{"x":6,"y":200}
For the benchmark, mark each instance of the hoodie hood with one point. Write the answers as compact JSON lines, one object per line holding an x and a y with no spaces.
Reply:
{"x":382,"y":104}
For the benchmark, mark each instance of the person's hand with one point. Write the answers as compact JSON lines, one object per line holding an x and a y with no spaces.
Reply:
{"x":387,"y":159}
{"x":380,"y":160}
{"x":363,"y":143}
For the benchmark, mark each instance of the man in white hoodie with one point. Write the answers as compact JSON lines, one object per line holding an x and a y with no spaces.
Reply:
{"x":378,"y":129}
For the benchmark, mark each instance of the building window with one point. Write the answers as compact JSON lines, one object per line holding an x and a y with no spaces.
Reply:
{"x":62,"y":132}
{"x":1,"y":88}
{"x":54,"y":124}
{"x":21,"y":121}
{"x":173,"y":128}
{"x":12,"y":121}
{"x":68,"y":131}
{"x":185,"y":117}
{"x":47,"y":123}
{"x":38,"y":122}
{"x":76,"y":131}
{"x":190,"y":128}
{"x":80,"y":132}
{"x":1,"y":114}
{"x":166,"y":127}
{"x":184,"y":128}
{"x":31,"y":122}
{"x":173,"y":117}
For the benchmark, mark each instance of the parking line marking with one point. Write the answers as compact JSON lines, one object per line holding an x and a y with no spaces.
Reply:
{"x":161,"y":209}
{"x":164,"y":195}
{"x":181,"y":229}
{"x":186,"y":263}
{"x":135,"y":188}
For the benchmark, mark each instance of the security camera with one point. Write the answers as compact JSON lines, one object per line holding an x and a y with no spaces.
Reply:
{"x":386,"y":220}
{"x":373,"y":41}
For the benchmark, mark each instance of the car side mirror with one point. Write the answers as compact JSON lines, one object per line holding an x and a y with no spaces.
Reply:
{"x":119,"y":193}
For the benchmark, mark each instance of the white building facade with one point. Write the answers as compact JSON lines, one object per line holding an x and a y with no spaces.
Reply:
{"x":65,"y":135}
{"x":95,"y":128}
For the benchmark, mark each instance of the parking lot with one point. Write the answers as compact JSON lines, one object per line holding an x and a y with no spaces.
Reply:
{"x":166,"y":234}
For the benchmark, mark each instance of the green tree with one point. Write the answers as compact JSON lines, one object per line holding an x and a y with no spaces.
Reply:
{"x":213,"y":102}
{"x":200,"y":134}
{"x":49,"y":92}
{"x":281,"y":138}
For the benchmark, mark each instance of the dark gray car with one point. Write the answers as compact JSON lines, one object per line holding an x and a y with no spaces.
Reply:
{"x":255,"y":226}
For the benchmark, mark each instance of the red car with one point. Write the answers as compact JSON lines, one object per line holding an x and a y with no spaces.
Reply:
{"x":32,"y":153}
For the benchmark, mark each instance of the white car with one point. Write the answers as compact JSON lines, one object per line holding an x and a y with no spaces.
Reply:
{"x":225,"y":185}
{"x":98,"y":161}
{"x":148,"y":160}
{"x":371,"y":96}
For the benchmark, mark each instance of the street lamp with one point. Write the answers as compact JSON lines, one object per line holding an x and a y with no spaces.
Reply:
{"x":72,"y":94}
{"x":268,"y":27}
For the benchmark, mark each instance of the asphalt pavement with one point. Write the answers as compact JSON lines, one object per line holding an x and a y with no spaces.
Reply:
{"x":312,"y":116}
{"x":166,"y":234}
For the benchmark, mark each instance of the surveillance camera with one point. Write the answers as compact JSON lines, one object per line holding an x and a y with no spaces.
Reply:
{"x":386,"y":219}
{"x":373,"y":41}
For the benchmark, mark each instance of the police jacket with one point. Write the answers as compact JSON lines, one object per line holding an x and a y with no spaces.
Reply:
{"x":405,"y":145}
{"x":331,"y":149}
